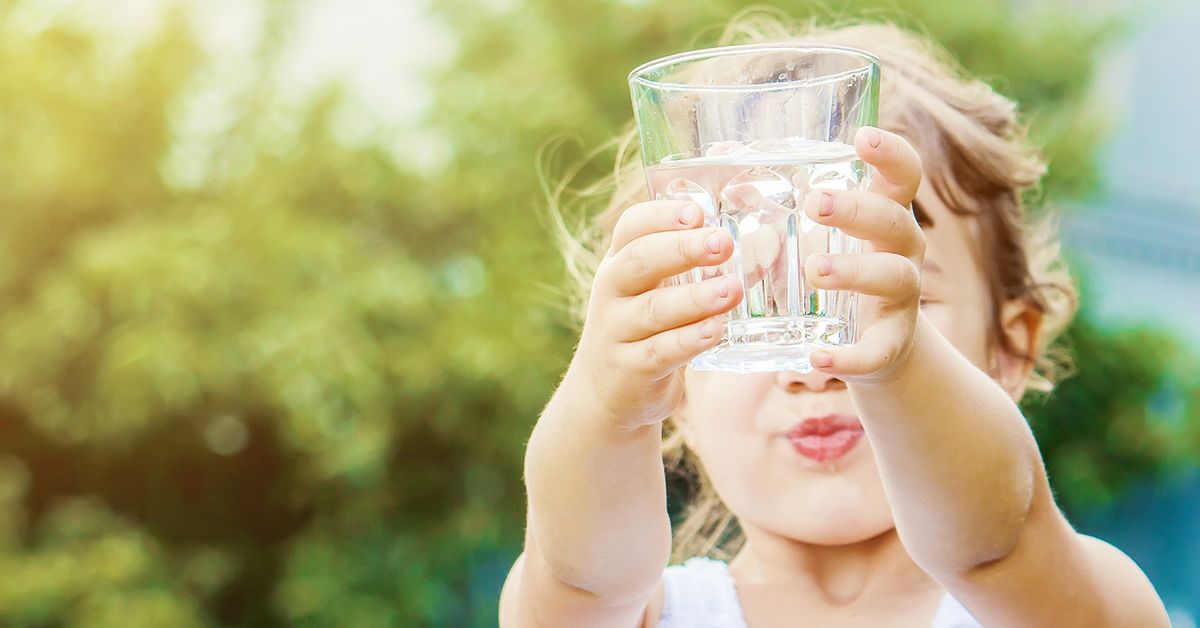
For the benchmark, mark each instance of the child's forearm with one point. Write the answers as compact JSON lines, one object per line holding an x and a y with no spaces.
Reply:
{"x":958,"y":461}
{"x":597,"y":497}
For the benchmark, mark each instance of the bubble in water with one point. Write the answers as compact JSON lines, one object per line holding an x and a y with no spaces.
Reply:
{"x":687,"y":190}
{"x":783,"y":76}
{"x":791,"y":66}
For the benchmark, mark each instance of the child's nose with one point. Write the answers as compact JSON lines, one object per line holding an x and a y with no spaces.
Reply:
{"x":816,"y":381}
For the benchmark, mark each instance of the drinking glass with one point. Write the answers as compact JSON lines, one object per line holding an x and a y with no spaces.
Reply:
{"x":746,"y":132}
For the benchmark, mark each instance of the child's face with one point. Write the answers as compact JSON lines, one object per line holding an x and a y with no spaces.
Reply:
{"x":749,"y":430}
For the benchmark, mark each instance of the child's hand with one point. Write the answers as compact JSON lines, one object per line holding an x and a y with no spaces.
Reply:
{"x":891,"y":272}
{"x":638,"y":332}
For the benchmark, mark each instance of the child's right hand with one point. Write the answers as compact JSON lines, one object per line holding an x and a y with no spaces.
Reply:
{"x":638,"y":331}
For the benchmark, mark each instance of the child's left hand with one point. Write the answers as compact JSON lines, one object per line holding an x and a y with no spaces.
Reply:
{"x":891,"y":271}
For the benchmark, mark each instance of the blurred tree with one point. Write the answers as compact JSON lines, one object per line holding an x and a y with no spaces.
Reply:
{"x":253,"y":372}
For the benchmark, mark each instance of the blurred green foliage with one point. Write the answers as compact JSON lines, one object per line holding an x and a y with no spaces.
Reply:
{"x":255,"y":374}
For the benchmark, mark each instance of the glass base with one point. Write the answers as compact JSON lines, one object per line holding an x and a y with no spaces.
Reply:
{"x":760,"y":345}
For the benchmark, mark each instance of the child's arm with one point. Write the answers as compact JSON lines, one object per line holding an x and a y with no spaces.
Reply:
{"x":959,"y":464}
{"x":973,"y":505}
{"x":598,"y":534}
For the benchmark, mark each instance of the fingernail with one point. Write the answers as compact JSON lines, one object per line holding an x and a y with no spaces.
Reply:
{"x":827,"y":204}
{"x":824,"y":265}
{"x":821,"y":359}
{"x":688,"y":214}
{"x":722,"y":287}
{"x":708,"y":329}
{"x":874,"y":138}
{"x":713,"y":242}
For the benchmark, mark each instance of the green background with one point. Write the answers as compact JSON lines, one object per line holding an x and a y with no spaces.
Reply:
{"x":262,"y":372}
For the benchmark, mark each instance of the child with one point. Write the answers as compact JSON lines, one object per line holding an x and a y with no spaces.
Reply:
{"x":941,"y":516}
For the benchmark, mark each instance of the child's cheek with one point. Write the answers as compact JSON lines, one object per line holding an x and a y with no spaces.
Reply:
{"x":939,"y":315}
{"x":964,"y":326}
{"x":723,"y":404}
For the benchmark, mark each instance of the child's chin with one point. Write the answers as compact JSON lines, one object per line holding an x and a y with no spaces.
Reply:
{"x":819,"y":519}
{"x":838,"y":530}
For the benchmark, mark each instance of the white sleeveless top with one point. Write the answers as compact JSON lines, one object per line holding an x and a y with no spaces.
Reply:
{"x":700,"y":594}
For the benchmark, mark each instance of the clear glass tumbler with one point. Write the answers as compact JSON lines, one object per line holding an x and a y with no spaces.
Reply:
{"x":747,"y":132}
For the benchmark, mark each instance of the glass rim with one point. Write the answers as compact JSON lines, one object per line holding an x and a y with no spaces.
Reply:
{"x":637,"y":76}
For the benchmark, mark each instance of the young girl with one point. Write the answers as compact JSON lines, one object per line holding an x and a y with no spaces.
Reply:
{"x":941,"y":516}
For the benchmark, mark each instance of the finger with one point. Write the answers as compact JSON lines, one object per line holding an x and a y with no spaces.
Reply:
{"x":652,"y":217}
{"x":673,"y":306}
{"x":671,"y":349}
{"x":895,"y":160}
{"x":891,"y":277}
{"x":645,"y":262}
{"x":880,"y":347}
{"x":886,"y":224}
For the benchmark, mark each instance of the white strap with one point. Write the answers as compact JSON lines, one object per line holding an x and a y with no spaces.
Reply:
{"x":700,"y":594}
{"x":951,"y":614}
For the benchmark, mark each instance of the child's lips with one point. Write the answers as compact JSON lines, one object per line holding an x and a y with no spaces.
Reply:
{"x":825,"y":438}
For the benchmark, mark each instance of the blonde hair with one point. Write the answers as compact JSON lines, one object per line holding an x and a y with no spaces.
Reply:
{"x":978,"y":160}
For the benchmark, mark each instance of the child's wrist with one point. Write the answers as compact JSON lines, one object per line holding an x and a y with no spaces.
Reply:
{"x":579,"y":396}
